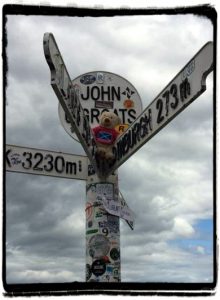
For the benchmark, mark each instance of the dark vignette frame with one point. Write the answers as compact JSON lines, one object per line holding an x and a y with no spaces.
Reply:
{"x":90,"y":288}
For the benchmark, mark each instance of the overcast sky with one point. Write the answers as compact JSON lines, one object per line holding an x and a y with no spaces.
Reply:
{"x":167,"y":183}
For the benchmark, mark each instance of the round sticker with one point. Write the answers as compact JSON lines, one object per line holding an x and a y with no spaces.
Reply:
{"x":114,"y":254}
{"x":99,"y":245}
{"x":98,"y":267}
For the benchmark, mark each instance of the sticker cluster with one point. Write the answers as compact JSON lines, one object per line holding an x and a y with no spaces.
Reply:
{"x":102,"y":235}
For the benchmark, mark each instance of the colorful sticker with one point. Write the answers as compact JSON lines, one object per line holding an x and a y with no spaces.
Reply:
{"x":98,"y":267}
{"x":128,"y":103}
{"x":87,"y":79}
{"x":109,"y":269}
{"x":121,"y":128}
{"x":92,"y":231}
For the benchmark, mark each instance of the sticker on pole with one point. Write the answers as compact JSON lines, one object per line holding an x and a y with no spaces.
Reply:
{"x":104,"y":91}
{"x":117,"y":207}
{"x":99,"y":246}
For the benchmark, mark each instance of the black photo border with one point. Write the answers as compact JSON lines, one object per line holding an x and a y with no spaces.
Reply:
{"x":123,"y":288}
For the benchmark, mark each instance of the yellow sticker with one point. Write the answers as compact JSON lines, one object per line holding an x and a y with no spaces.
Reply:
{"x":121,"y":128}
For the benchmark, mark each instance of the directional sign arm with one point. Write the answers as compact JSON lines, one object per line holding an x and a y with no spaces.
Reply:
{"x":45,"y":162}
{"x":60,"y":79}
{"x":68,"y":97}
{"x":186,"y":86}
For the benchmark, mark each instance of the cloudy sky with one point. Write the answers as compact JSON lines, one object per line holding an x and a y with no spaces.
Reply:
{"x":167,"y":183}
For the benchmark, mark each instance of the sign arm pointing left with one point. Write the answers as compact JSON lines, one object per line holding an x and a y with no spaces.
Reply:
{"x":45,"y":162}
{"x":68,"y":96}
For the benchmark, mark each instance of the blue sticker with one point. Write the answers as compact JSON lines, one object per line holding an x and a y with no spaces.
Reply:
{"x":15,"y":159}
{"x":87,"y":79}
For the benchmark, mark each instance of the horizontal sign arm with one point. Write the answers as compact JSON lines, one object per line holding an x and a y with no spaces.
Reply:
{"x":45,"y":162}
{"x":186,"y":86}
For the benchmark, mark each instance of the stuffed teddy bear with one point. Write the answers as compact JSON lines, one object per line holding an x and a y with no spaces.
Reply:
{"x":106,"y":135}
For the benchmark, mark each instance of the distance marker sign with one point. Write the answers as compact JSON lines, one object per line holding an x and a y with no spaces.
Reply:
{"x":186,"y":86}
{"x":104,"y":91}
{"x":44,"y":162}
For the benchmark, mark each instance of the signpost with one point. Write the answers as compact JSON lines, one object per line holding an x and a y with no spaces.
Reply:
{"x":104,"y":203}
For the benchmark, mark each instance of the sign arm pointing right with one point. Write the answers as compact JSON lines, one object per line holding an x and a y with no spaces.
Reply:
{"x":186,"y":86}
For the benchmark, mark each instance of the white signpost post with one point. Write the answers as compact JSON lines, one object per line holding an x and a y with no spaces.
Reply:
{"x":104,"y":203}
{"x":102,"y":231}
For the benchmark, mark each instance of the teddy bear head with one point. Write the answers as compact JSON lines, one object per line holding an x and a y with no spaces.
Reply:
{"x":109,"y":119}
